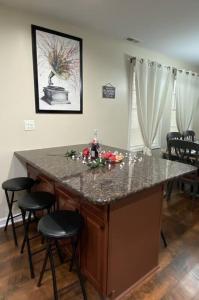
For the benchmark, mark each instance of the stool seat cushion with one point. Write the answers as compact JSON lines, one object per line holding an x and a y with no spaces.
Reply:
{"x":60,"y":224}
{"x":18,"y":184}
{"x":36,"y":201}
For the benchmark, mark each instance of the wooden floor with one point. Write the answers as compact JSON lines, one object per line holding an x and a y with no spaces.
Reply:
{"x":177,"y":278}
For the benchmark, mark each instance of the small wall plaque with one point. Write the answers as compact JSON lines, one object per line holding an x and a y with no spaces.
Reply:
{"x":108,"y":91}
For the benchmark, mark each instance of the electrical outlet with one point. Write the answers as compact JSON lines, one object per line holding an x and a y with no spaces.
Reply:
{"x":29,"y":124}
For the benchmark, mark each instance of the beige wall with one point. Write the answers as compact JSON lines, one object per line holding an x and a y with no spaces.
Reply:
{"x":104,"y":60}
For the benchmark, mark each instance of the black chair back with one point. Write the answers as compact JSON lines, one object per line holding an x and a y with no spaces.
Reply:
{"x":188,"y":135}
{"x":184,"y":151}
{"x":174,"y":135}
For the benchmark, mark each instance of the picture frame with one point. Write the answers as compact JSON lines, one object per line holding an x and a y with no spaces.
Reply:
{"x":57,"y":67}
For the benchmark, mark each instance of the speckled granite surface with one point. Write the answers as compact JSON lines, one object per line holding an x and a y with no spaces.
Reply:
{"x":106,"y":184}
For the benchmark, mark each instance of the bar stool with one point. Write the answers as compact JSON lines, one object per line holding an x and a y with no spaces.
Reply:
{"x":32,"y":203}
{"x":56,"y":226}
{"x":14,"y":185}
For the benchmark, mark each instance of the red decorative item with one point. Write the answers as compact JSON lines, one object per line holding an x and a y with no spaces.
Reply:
{"x":107,"y":155}
{"x":112,"y":157}
{"x":86,"y":152}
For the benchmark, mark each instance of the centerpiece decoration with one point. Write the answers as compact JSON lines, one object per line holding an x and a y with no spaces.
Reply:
{"x":94,"y":156}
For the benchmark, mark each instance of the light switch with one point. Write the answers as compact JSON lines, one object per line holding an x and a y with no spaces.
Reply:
{"x":29,"y":124}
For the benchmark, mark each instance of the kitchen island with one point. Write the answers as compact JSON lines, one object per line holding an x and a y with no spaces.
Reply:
{"x":121,"y":204}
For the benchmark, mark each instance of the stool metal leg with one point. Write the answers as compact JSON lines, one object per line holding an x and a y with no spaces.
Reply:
{"x":59,"y":252}
{"x":163,"y":238}
{"x":169,"y":189}
{"x":75,"y":261}
{"x":44,"y":265}
{"x":23,"y":213}
{"x":11,"y":204}
{"x":10,"y":216}
{"x":54,"y":206}
{"x":73,"y":254}
{"x":53,"y":272}
{"x":28,"y":245}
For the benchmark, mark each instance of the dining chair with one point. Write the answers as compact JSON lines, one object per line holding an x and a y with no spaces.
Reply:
{"x":185,"y":152}
{"x":173,"y":135}
{"x":189,"y":135}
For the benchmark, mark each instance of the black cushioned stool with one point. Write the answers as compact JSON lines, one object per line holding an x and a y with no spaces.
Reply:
{"x":32,"y":203}
{"x":61,"y":225}
{"x":11,"y":186}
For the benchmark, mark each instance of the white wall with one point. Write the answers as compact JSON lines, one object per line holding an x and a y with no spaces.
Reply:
{"x":104,"y":60}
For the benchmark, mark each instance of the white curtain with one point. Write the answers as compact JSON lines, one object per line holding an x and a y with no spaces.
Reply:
{"x":153,"y":93}
{"x":165,"y":123}
{"x":187,"y":94}
{"x":195,"y":122}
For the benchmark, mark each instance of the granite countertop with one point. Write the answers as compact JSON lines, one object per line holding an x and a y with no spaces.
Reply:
{"x":106,"y":184}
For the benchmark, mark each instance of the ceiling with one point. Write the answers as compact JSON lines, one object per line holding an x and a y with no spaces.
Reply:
{"x":167,"y":26}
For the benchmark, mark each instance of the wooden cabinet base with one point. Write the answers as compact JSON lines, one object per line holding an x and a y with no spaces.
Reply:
{"x":120,"y":242}
{"x":134,"y":235}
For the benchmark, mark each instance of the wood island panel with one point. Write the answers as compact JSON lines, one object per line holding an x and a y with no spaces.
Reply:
{"x":134,"y":239}
{"x":94,"y":250}
{"x":66,"y":200}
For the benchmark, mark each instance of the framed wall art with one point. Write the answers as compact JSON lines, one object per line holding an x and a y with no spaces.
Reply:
{"x":57,"y":65}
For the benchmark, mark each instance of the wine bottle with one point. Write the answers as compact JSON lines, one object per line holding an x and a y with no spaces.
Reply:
{"x":94,"y":149}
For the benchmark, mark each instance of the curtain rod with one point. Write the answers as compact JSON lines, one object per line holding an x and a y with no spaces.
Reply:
{"x":175,"y":70}
{"x":187,"y":72}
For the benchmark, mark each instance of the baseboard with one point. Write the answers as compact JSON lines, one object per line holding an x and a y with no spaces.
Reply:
{"x":3,"y":221}
{"x":126,"y":294}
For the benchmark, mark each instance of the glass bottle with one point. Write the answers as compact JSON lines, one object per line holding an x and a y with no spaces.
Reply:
{"x":95,"y":146}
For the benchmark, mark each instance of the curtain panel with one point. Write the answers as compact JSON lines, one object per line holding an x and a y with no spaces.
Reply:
{"x":187,"y":96}
{"x":154,"y":84}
